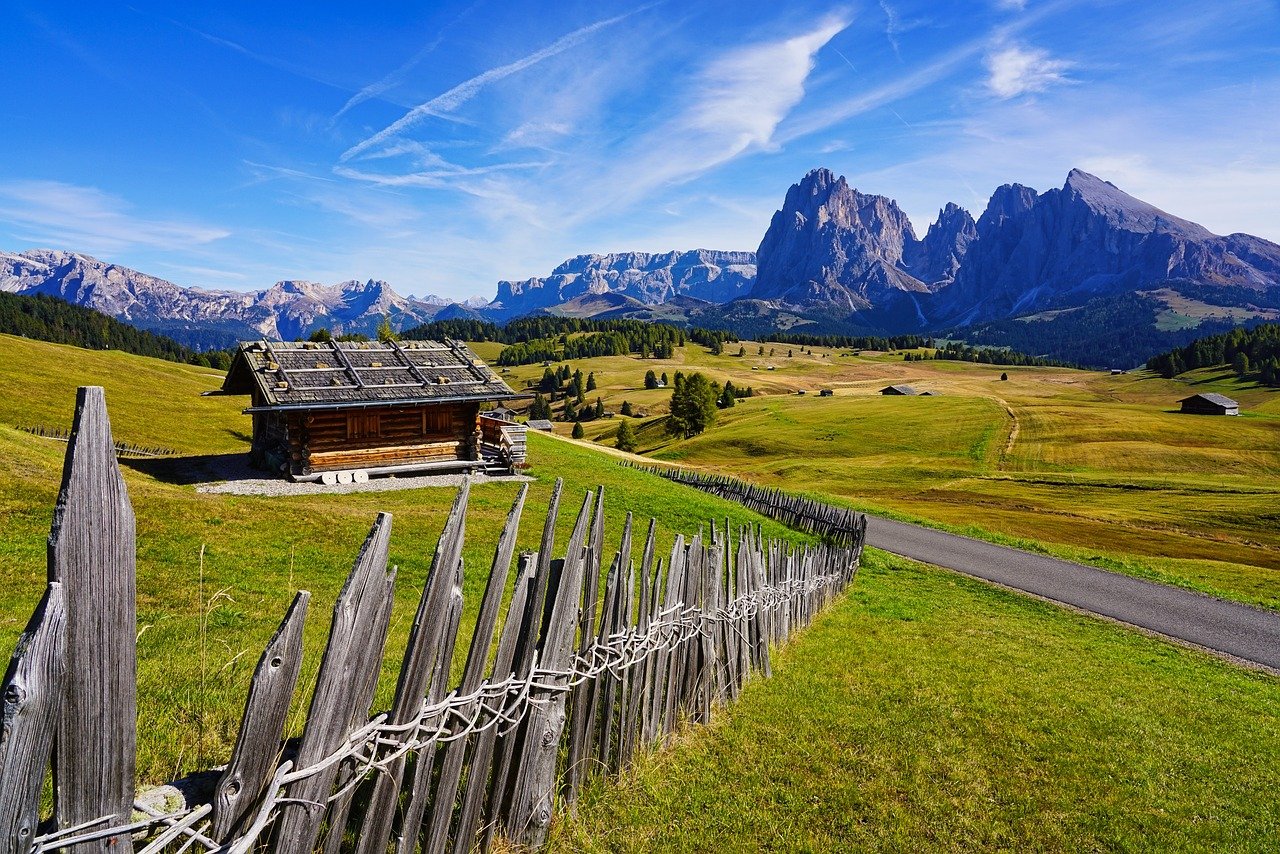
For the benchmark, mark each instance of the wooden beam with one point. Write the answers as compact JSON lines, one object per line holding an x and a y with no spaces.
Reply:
{"x":91,"y":552}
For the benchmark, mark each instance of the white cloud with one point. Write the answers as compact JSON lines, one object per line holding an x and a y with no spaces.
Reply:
{"x":1011,"y":5}
{"x":735,"y":106}
{"x":90,"y":220}
{"x":1017,"y":70}
{"x":442,"y":105}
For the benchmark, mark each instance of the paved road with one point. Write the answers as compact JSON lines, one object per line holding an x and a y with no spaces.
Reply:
{"x":1242,"y":631}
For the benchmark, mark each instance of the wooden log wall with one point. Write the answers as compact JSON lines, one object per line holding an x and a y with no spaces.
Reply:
{"x":838,"y":524}
{"x":581,"y":680}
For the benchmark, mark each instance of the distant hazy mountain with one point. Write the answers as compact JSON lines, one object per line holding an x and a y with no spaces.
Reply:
{"x":1085,"y":272}
{"x":651,"y":279}
{"x":207,"y":318}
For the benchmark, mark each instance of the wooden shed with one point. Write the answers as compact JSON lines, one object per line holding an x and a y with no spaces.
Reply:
{"x":1210,"y":403}
{"x":371,"y":408}
{"x":897,"y":389}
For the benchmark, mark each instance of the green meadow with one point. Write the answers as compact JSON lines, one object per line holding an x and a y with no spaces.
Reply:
{"x":1081,"y":464}
{"x":923,"y":710}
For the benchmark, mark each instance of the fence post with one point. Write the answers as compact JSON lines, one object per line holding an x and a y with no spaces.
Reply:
{"x":533,"y":792}
{"x":33,"y":685}
{"x":91,"y":551}
{"x":257,"y":747}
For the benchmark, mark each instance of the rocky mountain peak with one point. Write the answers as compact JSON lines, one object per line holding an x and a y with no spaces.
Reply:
{"x":831,"y":244}
{"x":1125,"y":211}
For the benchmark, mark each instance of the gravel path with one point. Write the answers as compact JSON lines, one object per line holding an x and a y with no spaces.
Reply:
{"x":279,"y":486}
{"x":1240,"y":631}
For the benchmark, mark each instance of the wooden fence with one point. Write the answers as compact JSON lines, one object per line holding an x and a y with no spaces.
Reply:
{"x":837,"y":524}
{"x":580,"y":680}
{"x":123,"y":449}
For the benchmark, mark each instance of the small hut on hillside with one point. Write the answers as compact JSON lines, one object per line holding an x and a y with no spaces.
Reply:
{"x":371,"y":408}
{"x":1210,"y":403}
{"x":897,"y":389}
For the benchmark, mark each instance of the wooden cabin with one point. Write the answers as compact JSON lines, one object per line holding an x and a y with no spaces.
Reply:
{"x":370,"y":407}
{"x":1210,"y":403}
{"x":897,"y":389}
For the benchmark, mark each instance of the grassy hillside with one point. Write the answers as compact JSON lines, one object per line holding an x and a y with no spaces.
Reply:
{"x":930,"y":712}
{"x":924,"y":710}
{"x":258,"y":550}
{"x":1083,"y":464}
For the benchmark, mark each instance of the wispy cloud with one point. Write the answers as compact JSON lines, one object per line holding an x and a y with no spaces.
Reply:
{"x":1014,"y":70}
{"x":395,"y":78}
{"x":91,"y":220}
{"x":1011,"y":5}
{"x":442,"y":105}
{"x":895,"y":26}
{"x":737,"y":104}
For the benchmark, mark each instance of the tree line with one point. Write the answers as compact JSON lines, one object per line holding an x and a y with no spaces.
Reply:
{"x":956,"y":351}
{"x":46,"y":318}
{"x":1250,"y":352}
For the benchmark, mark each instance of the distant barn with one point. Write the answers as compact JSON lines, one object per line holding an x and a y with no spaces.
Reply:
{"x":898,"y":389}
{"x":541,"y":424}
{"x":826,"y":392}
{"x":1210,"y":403}
{"x":333,"y":410}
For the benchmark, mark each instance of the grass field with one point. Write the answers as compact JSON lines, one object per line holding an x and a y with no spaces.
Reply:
{"x":1081,"y":464}
{"x":258,"y":550}
{"x":924,"y":710}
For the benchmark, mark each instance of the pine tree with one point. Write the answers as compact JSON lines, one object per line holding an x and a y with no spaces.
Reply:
{"x":626,"y":409}
{"x":650,"y":379}
{"x":742,"y":351}
{"x":385,"y":332}
{"x":664,"y":379}
{"x":321,"y":336}
{"x":626,"y":439}
{"x":599,"y":408}
{"x":693,"y":405}
{"x":570,"y":410}
{"x":591,"y":381}
{"x":578,"y":432}
{"x":548,"y":382}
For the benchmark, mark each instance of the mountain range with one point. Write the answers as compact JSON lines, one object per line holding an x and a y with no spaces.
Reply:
{"x":1028,"y":271}
{"x":213,"y":318}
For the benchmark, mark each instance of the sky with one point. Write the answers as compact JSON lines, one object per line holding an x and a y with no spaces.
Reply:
{"x":444,"y":146}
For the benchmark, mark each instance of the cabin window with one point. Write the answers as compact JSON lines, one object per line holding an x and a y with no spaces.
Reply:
{"x":437,"y":421}
{"x":364,"y":425}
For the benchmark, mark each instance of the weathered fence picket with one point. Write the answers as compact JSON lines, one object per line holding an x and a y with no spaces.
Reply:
{"x":582,"y":678}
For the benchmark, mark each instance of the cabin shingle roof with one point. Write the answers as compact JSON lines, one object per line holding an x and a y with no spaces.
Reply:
{"x":898,"y":389}
{"x":1212,"y":397}
{"x":333,"y":374}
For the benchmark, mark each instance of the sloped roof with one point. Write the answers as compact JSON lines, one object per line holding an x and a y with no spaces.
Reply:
{"x":541,"y":424}
{"x":333,"y":374}
{"x":900,"y":389}
{"x":1212,"y":397}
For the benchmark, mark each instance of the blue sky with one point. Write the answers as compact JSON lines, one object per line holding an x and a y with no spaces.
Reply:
{"x":442,"y":147}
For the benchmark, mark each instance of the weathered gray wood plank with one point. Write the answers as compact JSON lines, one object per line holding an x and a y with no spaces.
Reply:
{"x":336,"y":701}
{"x":91,"y":551}
{"x":472,"y":810}
{"x":415,"y":670}
{"x":258,"y":747}
{"x":533,"y":792}
{"x":437,"y":831}
{"x":33,"y":689}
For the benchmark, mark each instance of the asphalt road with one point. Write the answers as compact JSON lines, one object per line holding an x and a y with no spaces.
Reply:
{"x":1242,"y":631}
